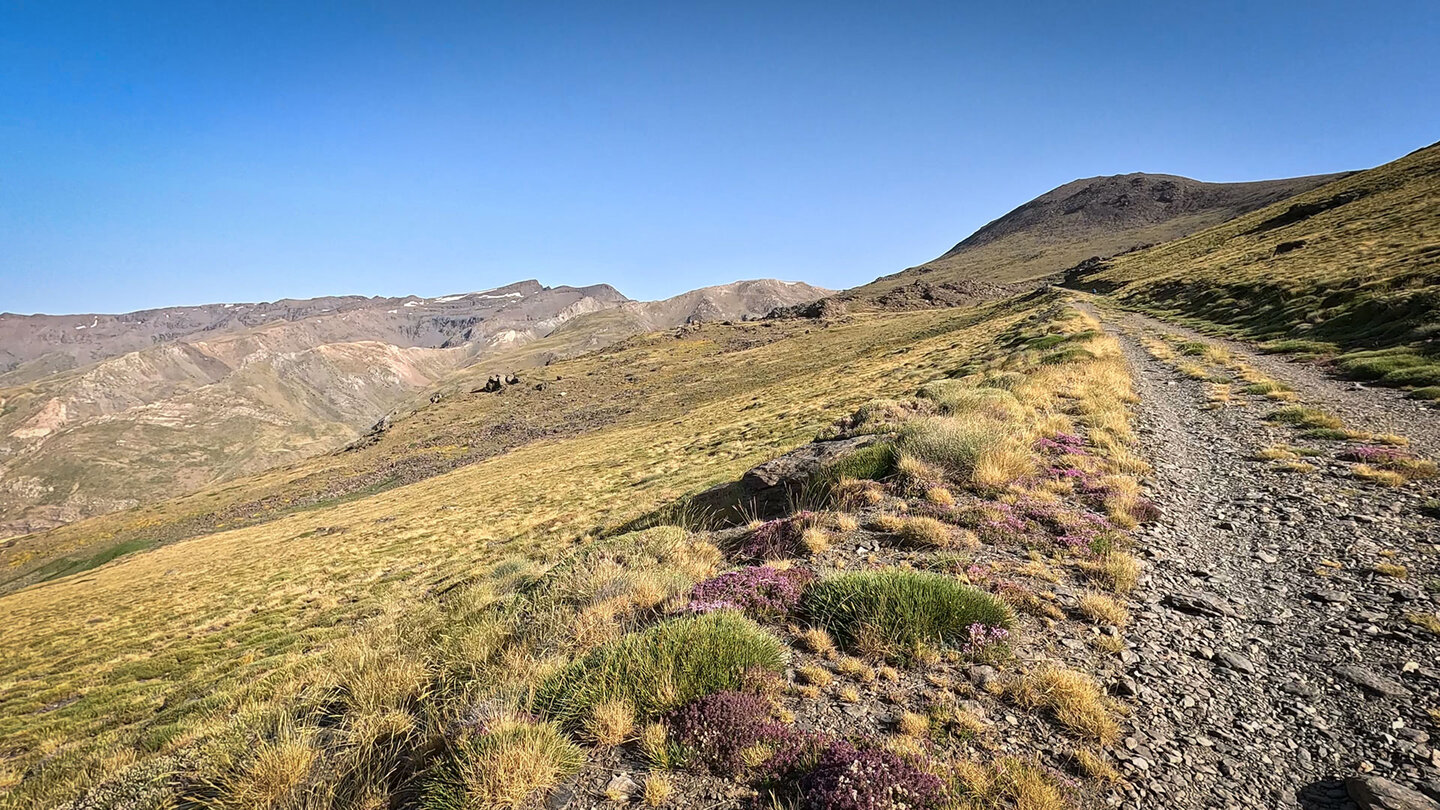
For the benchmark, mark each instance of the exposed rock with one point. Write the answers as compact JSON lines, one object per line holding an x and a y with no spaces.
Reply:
{"x":1378,"y":684}
{"x":1378,"y":793}
{"x":1198,"y":604}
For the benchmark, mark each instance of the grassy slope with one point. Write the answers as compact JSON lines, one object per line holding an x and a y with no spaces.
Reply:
{"x":141,"y":649}
{"x":1367,"y":277}
{"x":643,"y":379}
{"x":1047,"y":235}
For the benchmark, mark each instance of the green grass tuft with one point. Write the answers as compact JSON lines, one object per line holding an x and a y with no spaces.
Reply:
{"x":661,"y":667}
{"x":1302,"y":417}
{"x":891,"y":611}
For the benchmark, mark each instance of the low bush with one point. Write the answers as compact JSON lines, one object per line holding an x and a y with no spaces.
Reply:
{"x":851,"y":778}
{"x":661,"y":667}
{"x":719,"y":733}
{"x":759,"y":591}
{"x":777,"y":539}
{"x":890,"y":611}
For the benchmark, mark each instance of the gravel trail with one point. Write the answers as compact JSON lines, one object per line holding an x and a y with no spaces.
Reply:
{"x":1374,"y":408}
{"x":1269,"y":659}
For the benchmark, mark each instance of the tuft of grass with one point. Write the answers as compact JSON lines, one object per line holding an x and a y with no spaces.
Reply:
{"x":817,"y":640}
{"x":1428,"y":392}
{"x":1072,"y":698}
{"x":891,"y":612}
{"x":1392,"y":570}
{"x":815,"y":540}
{"x":1104,"y":609}
{"x":1304,"y":417}
{"x":503,"y":768}
{"x":661,"y":667}
{"x":912,"y":724}
{"x":611,"y":723}
{"x":925,"y":532}
{"x":657,"y":790}
{"x":1295,"y":467}
{"x":1094,"y":765}
{"x":815,"y":675}
{"x":1375,"y":475}
{"x":1274,"y":452}
{"x":1116,"y":570}
{"x":1425,"y":621}
{"x":973,"y":450}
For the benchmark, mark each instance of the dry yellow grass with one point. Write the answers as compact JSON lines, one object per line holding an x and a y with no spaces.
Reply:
{"x":194,"y":629}
{"x":657,"y":790}
{"x":611,"y":723}
{"x":1103,"y":609}
{"x":815,"y":675}
{"x":925,"y":532}
{"x":815,"y":540}
{"x":1094,"y":765}
{"x":817,"y":640}
{"x":1116,"y":570}
{"x":912,"y":724}
{"x":1384,"y":478}
{"x":1394,"y":570}
{"x":1072,"y":698}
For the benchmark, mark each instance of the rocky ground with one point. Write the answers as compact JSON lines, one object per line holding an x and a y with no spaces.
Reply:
{"x":1270,"y":659}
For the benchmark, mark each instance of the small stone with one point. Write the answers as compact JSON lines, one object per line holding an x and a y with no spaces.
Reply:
{"x":1236,"y":662}
{"x":1370,"y":681}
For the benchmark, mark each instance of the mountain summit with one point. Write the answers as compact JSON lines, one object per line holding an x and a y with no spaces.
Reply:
{"x":1097,"y":216}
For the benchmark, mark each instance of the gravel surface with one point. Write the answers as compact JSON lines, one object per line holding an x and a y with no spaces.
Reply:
{"x":1373,"y":408}
{"x":1269,"y":660}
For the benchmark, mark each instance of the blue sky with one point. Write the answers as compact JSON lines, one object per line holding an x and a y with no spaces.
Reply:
{"x":155,"y":154}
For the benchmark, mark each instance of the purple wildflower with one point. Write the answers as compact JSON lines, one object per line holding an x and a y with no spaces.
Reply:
{"x":761,"y":591}
{"x":851,"y":778}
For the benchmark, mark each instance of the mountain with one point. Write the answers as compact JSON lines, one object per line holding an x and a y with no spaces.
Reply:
{"x":1350,"y":271}
{"x":225,"y":390}
{"x":1098,"y":216}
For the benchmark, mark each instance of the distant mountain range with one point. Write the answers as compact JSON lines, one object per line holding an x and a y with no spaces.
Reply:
{"x":102,"y":412}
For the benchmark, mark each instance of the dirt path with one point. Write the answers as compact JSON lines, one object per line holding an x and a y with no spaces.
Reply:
{"x":1258,"y":681}
{"x":1373,"y":408}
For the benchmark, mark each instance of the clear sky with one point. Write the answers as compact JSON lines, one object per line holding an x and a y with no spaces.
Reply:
{"x":155,"y":154}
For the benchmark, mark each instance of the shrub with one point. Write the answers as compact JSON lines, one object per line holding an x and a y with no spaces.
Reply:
{"x":661,"y":667}
{"x":719,"y":732}
{"x":890,"y":611}
{"x":850,"y":778}
{"x":1303,"y":417}
{"x":777,"y":539}
{"x":505,"y":767}
{"x":759,"y":591}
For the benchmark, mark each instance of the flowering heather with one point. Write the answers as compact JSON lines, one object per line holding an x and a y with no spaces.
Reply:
{"x":1368,"y":454}
{"x":718,"y":729}
{"x":850,"y":778}
{"x":760,"y":591}
{"x":776,"y":539}
{"x":983,"y":637}
{"x":1062,"y":444}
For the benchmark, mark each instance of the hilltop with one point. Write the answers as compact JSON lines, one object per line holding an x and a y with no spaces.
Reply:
{"x":1097,"y":216}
